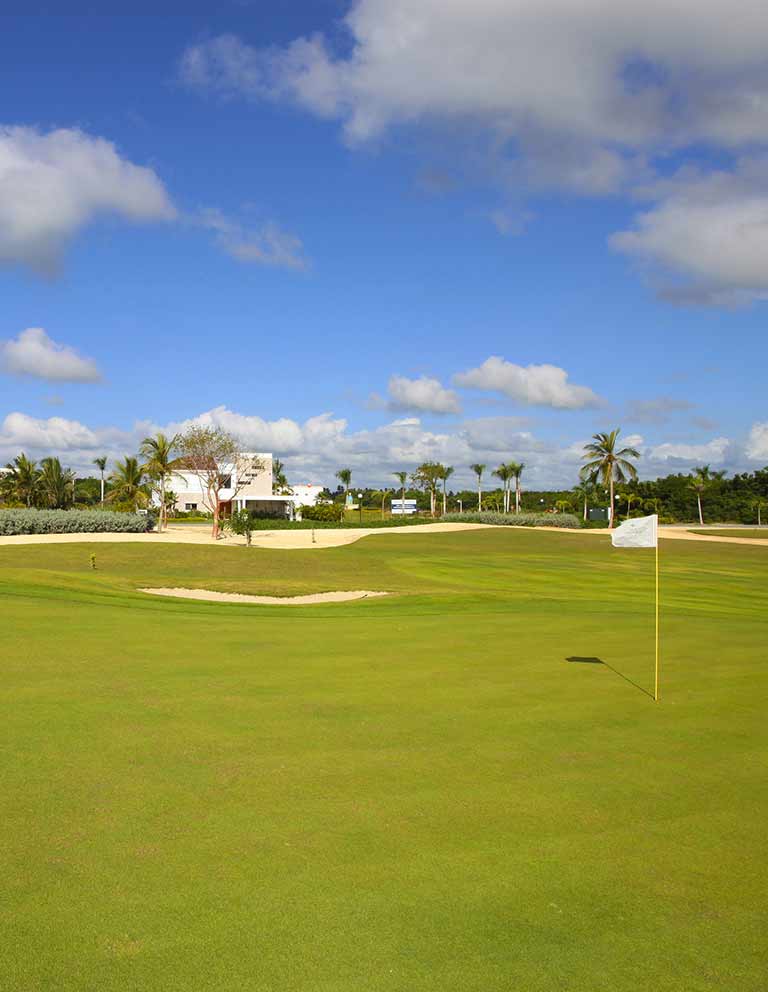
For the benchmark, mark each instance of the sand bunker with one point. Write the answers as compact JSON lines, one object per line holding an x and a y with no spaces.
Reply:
{"x":237,"y":597}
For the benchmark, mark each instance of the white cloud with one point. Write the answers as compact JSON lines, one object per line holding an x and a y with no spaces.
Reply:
{"x":35,"y":355}
{"x":708,"y":229}
{"x":423,"y":394}
{"x":626,"y":72}
{"x":267,"y":244}
{"x":52,"y":185}
{"x":532,"y":385}
{"x":716,"y":450}
{"x":757,"y":442}
{"x":583,"y":97}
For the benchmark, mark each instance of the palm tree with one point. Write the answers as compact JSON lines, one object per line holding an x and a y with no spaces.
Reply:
{"x":158,"y":452}
{"x":127,"y":481}
{"x":585,"y":490}
{"x":279,"y":478}
{"x":760,"y":504}
{"x":610,"y":465}
{"x":344,"y":475}
{"x":447,"y":472}
{"x":478,"y":469}
{"x":54,"y":483}
{"x":402,"y":478}
{"x":561,"y":505}
{"x":101,"y":465}
{"x":516,"y":468}
{"x":24,"y":478}
{"x":701,"y":480}
{"x":503,"y":473}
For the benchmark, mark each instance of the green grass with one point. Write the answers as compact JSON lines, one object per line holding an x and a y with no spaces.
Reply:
{"x":751,"y":532}
{"x":411,"y":794}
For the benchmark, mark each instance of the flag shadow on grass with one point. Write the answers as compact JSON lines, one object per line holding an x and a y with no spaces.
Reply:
{"x":599,"y":661}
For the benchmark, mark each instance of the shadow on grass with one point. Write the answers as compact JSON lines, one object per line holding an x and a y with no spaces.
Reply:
{"x":599,"y":661}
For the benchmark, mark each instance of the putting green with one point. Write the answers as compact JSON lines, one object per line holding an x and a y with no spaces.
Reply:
{"x":415,"y":792}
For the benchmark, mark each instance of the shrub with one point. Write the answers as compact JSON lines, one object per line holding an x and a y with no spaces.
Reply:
{"x":515,"y":519}
{"x":241,"y":523}
{"x":72,"y":522}
{"x":327,"y":512}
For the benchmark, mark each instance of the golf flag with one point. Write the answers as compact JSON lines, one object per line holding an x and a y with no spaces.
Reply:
{"x":643,"y":532}
{"x":639,"y":532}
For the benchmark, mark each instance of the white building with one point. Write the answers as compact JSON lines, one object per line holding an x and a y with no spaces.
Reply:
{"x":248,"y":487}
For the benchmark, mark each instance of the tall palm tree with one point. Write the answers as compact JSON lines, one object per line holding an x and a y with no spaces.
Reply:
{"x":478,"y":469}
{"x":402,"y":478}
{"x":585,"y":490}
{"x":24,"y":478}
{"x":516,"y":469}
{"x":503,"y":473}
{"x":760,"y":504}
{"x":344,"y":475}
{"x":55,"y":482}
{"x":610,"y":465}
{"x":158,"y":452}
{"x":279,"y":478}
{"x":701,"y":480}
{"x":446,"y":473}
{"x":127,"y":480}
{"x":101,"y":465}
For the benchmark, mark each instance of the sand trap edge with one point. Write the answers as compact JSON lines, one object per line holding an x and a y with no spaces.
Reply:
{"x":311,"y":599}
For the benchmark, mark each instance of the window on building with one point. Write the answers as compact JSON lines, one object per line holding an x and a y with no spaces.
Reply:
{"x":226,"y":482}
{"x":190,"y":506}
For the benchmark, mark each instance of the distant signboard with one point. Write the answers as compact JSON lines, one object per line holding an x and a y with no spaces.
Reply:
{"x":404,"y":506}
{"x":598,"y":513}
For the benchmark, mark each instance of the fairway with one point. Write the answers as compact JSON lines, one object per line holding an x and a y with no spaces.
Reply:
{"x":413,"y":793}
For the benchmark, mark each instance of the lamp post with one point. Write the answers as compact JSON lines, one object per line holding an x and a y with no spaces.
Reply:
{"x":360,"y":505}
{"x":461,"y":507}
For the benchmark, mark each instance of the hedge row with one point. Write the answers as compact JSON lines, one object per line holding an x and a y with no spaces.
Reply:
{"x":515,"y":519}
{"x":72,"y":522}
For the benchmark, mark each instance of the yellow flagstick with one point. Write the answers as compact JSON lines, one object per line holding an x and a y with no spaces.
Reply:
{"x":656,"y":682}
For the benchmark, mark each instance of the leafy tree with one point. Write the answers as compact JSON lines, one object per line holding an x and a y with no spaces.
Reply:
{"x":478,"y":469}
{"x":609,"y":465}
{"x":127,"y":483}
{"x":241,"y":523}
{"x":24,"y":477}
{"x":215,"y":457}
{"x":427,"y":477}
{"x":158,"y":452}
{"x":101,"y":465}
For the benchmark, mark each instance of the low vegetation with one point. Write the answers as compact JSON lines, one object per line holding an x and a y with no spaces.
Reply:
{"x":13,"y":522}
{"x":564,"y":520}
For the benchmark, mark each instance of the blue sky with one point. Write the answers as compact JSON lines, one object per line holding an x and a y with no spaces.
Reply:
{"x":316,"y":223}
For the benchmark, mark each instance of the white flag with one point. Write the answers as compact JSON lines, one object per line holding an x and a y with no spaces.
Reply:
{"x":639,"y":532}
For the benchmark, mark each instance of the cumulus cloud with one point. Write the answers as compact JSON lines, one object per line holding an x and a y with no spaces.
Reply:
{"x":584,"y":97}
{"x":53,"y":184}
{"x":314,"y":449}
{"x":710,"y":230}
{"x":266,"y":244}
{"x":757,"y":442}
{"x":424,"y":394}
{"x":532,"y":385}
{"x":716,"y":450}
{"x":33,"y":354}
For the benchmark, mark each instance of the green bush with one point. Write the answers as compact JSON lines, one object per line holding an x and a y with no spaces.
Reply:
{"x":567,"y":520}
{"x":325,"y":512}
{"x":72,"y":522}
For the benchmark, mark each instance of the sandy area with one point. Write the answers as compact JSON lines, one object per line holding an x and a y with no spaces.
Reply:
{"x":237,"y":597}
{"x":288,"y":540}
